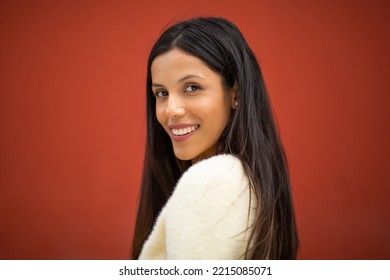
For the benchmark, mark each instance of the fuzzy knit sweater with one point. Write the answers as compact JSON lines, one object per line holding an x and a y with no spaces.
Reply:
{"x":207,"y":215}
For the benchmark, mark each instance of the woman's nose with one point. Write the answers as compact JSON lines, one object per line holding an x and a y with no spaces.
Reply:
{"x":175,"y":107}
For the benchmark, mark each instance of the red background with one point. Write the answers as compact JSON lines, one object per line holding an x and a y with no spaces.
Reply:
{"x":72,"y":119}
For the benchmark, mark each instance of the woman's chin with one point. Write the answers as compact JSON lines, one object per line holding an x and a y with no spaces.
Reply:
{"x":183,"y":157}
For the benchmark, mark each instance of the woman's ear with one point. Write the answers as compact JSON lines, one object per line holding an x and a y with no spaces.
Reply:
{"x":234,"y":96}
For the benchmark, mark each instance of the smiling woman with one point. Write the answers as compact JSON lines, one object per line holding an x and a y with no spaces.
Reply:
{"x":215,"y":182}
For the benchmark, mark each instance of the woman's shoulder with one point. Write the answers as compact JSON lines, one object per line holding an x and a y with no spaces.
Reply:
{"x":219,"y":167}
{"x":207,"y":216}
{"x":223,"y":174}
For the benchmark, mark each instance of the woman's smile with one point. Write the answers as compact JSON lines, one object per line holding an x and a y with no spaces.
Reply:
{"x":181,"y":132}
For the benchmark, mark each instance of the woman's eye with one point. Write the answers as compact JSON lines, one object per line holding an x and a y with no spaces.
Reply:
{"x":191,"y":88}
{"x":160,"y":93}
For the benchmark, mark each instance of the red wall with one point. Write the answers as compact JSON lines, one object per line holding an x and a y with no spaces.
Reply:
{"x":72,"y":77}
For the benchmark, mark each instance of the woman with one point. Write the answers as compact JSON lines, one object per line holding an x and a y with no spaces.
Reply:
{"x":215,"y":181}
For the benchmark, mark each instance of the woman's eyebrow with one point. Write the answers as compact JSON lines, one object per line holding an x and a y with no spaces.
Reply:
{"x":157,"y":85}
{"x":189,"y":76}
{"x":186,"y":77}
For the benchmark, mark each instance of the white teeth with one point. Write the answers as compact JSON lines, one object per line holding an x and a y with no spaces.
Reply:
{"x":183,"y":131}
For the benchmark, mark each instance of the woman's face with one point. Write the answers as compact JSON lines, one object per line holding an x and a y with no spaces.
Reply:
{"x":191,"y":103}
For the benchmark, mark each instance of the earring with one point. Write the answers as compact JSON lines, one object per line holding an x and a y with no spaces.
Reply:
{"x":236,"y":103}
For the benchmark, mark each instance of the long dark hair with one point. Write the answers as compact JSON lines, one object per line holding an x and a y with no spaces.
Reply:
{"x":251,"y":135}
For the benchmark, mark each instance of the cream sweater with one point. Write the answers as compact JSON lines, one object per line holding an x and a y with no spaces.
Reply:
{"x":207,"y":215}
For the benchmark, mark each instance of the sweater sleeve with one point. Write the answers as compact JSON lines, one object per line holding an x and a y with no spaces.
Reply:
{"x":207,"y":216}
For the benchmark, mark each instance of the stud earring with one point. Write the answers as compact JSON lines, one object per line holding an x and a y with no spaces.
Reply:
{"x":236,"y":103}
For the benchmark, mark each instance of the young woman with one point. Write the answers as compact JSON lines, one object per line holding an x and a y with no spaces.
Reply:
{"x":215,"y":182}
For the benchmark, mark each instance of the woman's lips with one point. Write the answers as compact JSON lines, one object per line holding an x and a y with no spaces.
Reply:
{"x":181,"y":132}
